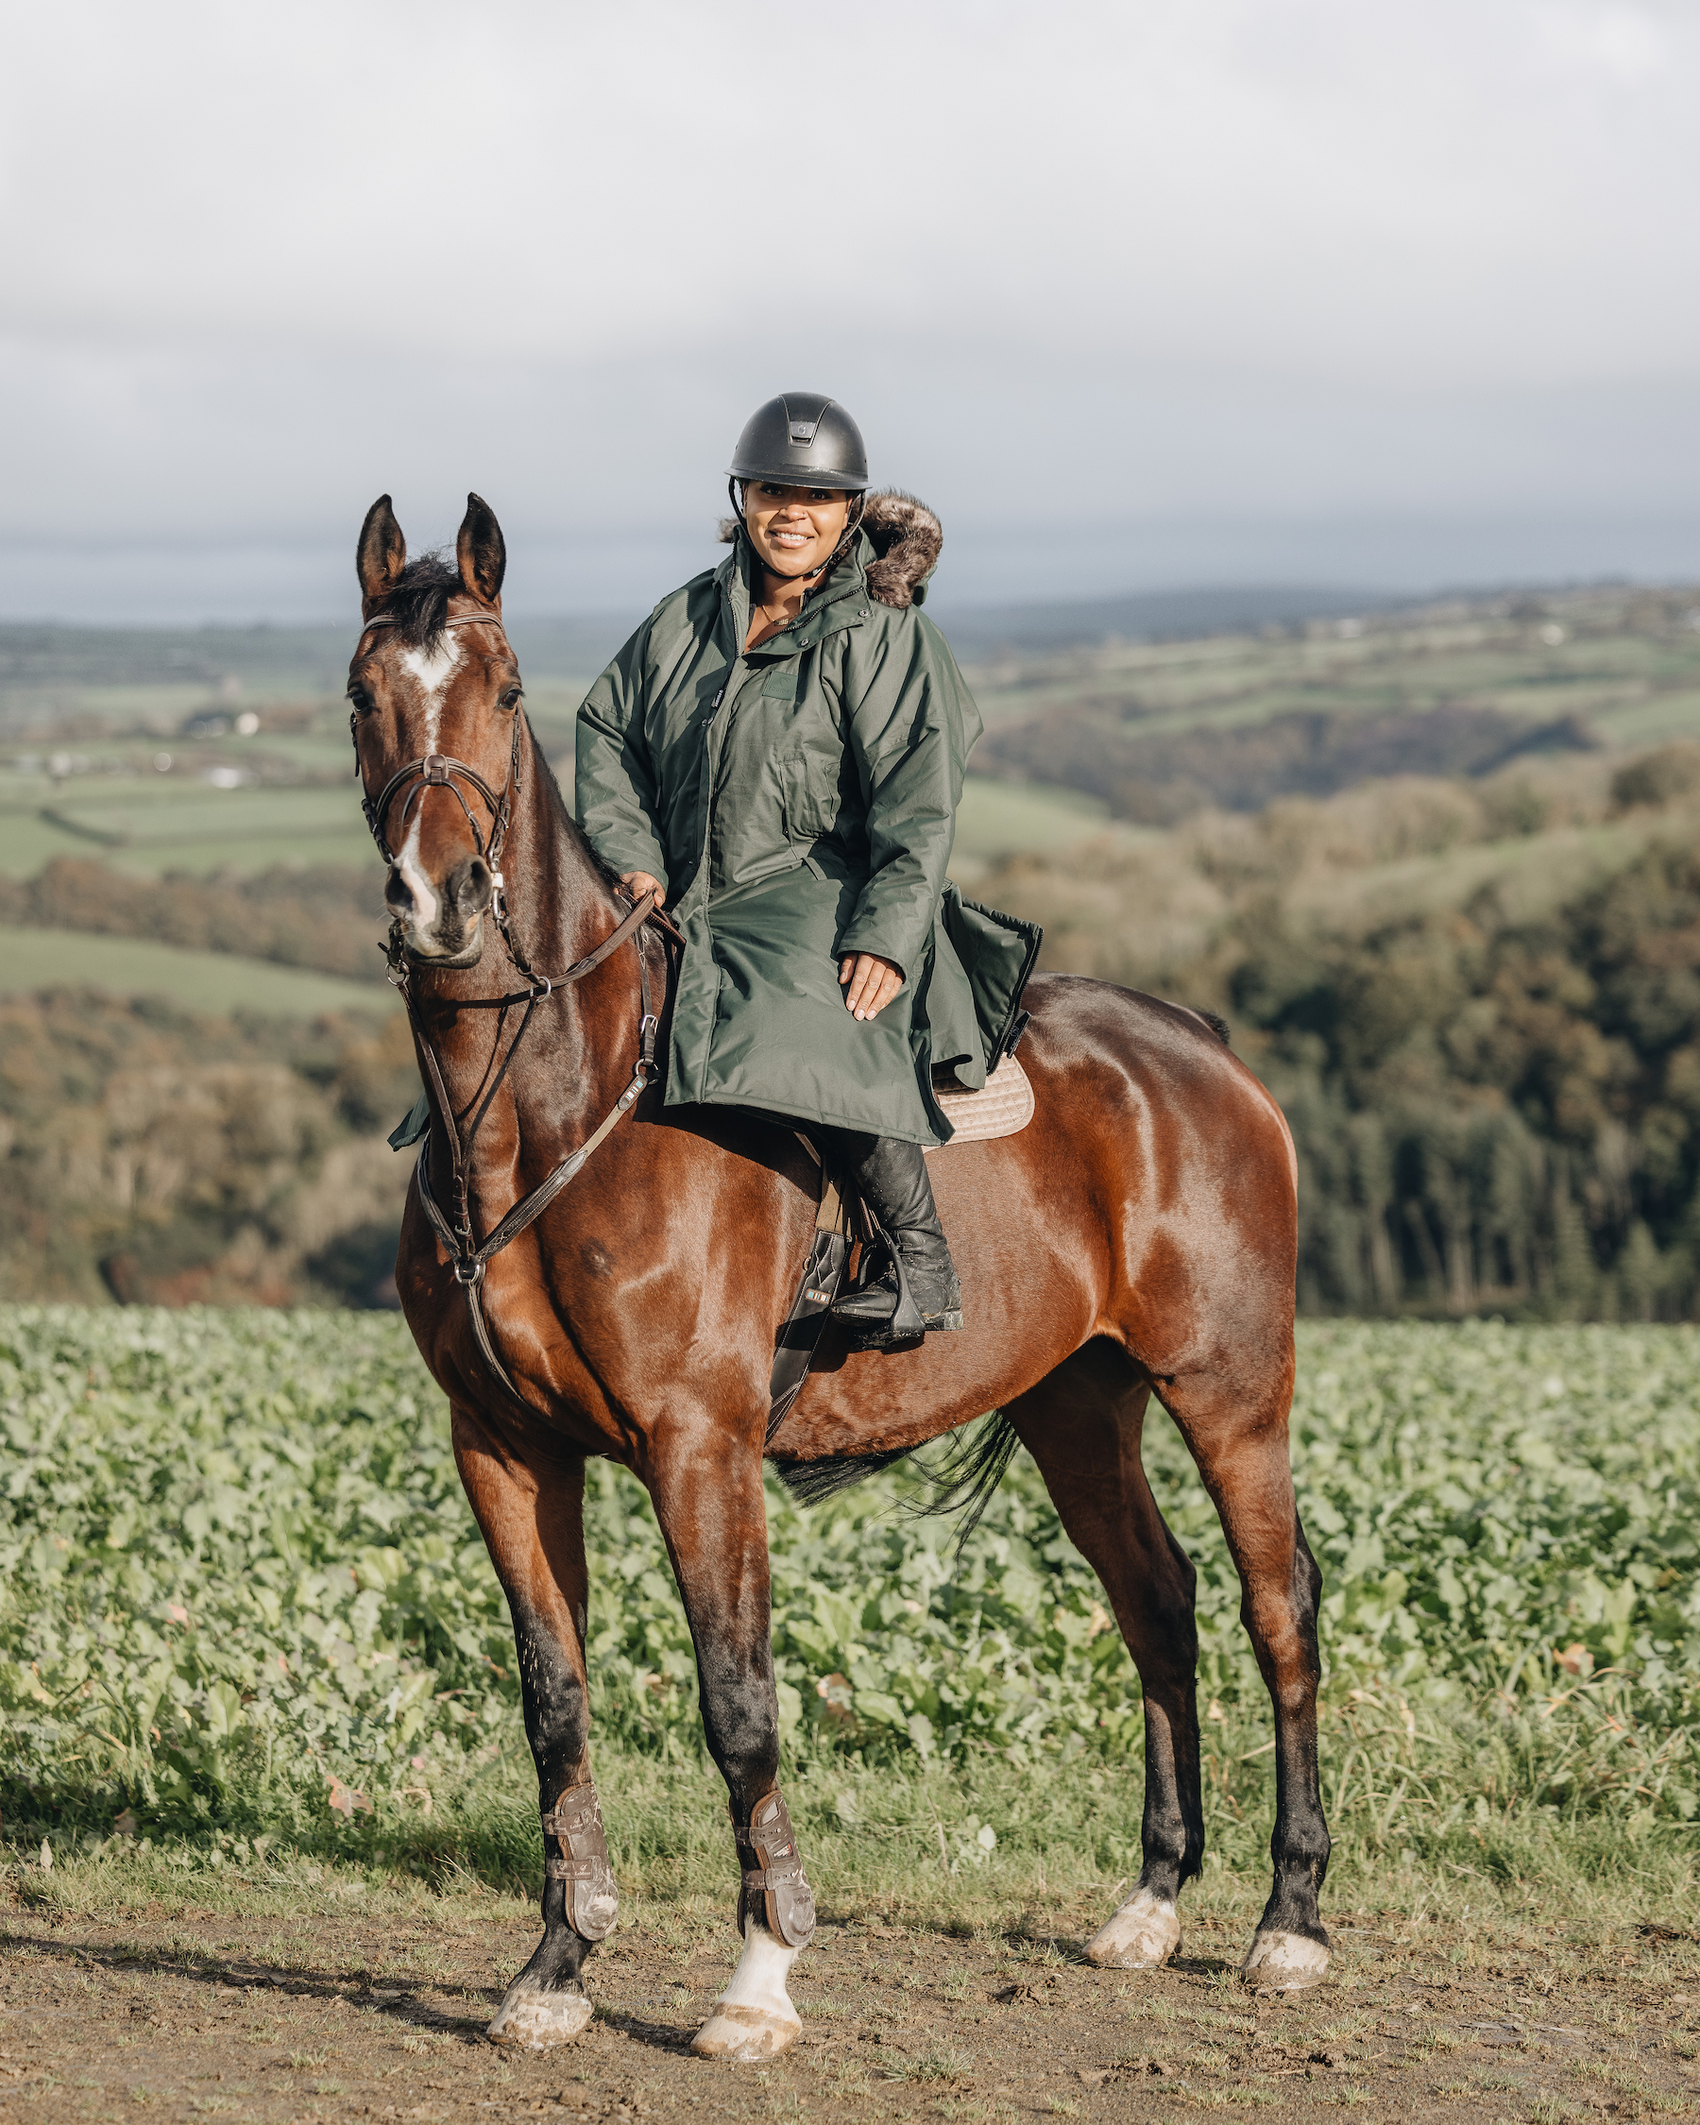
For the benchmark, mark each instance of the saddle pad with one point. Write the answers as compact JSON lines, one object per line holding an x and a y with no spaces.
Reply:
{"x":1003,"y":1108}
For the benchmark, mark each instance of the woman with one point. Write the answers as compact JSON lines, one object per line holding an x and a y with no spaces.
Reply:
{"x":779,"y":752}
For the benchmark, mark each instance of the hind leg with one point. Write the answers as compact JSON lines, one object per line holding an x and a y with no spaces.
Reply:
{"x":532,"y":1520}
{"x":1236,"y":1429}
{"x":1083,"y":1425}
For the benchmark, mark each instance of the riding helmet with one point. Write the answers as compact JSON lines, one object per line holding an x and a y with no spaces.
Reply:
{"x":802,"y":440}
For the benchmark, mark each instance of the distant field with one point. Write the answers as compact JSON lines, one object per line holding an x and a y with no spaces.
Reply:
{"x":170,"y":823}
{"x":1013,"y":818}
{"x":1146,"y":730}
{"x":198,"y":981}
{"x":165,"y":823}
{"x":1627,"y":662}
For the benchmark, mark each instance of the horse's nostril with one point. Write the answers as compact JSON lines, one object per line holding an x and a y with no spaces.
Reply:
{"x":471,"y":886}
{"x":398,"y":894}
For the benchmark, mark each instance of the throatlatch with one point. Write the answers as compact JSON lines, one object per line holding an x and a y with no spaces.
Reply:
{"x":775,"y":1889}
{"x":575,"y":1822}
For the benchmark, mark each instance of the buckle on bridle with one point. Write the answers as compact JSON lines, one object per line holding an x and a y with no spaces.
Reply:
{"x":468,"y":1269}
{"x":436,"y":770}
{"x":541,"y":989}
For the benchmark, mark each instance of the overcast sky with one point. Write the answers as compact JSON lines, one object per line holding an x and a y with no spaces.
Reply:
{"x":1140,"y":294}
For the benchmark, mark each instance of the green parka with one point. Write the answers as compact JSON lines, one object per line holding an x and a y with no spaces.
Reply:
{"x":798,"y":804}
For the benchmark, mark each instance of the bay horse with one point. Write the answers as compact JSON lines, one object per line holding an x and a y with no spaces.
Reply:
{"x":1137,"y":1237}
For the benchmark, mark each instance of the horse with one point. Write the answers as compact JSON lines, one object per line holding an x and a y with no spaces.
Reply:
{"x":1136,"y":1238}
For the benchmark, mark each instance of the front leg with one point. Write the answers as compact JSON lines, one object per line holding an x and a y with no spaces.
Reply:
{"x":532,"y":1517}
{"x":714,"y":1519}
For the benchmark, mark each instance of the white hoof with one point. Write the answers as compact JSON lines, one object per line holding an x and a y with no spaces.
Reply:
{"x":1284,"y":1962}
{"x":741,"y":2035}
{"x":537,"y":2021}
{"x":753,"y":2018}
{"x":1142,"y":1935}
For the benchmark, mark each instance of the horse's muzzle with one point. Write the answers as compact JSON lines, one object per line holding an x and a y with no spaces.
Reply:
{"x":444,"y":928}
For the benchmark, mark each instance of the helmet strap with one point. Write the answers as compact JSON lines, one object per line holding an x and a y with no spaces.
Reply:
{"x":853,"y":524}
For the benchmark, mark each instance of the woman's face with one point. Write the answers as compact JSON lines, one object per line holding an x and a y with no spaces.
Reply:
{"x":794,"y":529}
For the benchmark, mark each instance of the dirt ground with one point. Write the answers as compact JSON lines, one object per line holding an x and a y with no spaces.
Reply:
{"x":358,"y":2017}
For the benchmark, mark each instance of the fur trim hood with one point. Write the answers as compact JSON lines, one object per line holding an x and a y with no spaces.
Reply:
{"x":907,"y":540}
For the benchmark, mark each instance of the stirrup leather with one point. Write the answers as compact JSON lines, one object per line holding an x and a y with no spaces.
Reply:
{"x":575,"y":1822}
{"x":774,"y":1888}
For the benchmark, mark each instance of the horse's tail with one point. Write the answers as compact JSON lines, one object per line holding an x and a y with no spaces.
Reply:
{"x":963,"y":1479}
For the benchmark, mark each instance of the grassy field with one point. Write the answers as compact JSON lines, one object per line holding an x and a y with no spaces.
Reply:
{"x":221,"y":982}
{"x":150,"y":827}
{"x":241,"y":1579}
{"x":272,"y":1821}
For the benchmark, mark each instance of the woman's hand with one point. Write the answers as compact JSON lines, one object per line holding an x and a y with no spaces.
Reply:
{"x":873,"y":983}
{"x":637,"y":883}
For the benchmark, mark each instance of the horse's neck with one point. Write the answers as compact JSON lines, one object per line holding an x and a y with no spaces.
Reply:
{"x":560,"y":905}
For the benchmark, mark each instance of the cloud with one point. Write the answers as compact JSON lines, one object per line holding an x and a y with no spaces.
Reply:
{"x":1079,"y":263}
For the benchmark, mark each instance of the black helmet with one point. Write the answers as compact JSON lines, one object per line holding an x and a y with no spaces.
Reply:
{"x":802,"y":440}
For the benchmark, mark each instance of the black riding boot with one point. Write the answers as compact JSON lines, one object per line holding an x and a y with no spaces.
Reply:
{"x":911,"y":1285}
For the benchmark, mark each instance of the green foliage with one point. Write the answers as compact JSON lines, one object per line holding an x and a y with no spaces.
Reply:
{"x":1492,"y":1112}
{"x":1486,"y":1041}
{"x":154,"y":1155}
{"x":244,"y":1597}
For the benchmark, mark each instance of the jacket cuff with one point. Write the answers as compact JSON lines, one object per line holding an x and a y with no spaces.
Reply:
{"x":865,"y":935}
{"x":633,"y":853}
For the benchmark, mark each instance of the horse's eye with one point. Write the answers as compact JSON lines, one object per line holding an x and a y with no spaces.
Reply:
{"x":361,"y":699}
{"x":513,"y":697}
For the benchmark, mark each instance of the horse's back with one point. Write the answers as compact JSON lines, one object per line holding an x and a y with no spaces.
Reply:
{"x":1092,"y":1048}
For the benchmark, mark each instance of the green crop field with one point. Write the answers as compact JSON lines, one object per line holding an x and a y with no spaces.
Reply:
{"x":246,"y":1612}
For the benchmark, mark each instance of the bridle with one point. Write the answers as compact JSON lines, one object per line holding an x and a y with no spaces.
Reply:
{"x":467,"y":1255}
{"x":443,"y":771}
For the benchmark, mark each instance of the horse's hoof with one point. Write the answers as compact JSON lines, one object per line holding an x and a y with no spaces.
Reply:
{"x":1284,"y":1962}
{"x":741,"y":2035}
{"x":1142,"y":1935}
{"x":534,"y":2020}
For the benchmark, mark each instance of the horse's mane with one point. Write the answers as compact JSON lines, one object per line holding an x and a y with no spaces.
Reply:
{"x":417,"y":602}
{"x":575,"y":833}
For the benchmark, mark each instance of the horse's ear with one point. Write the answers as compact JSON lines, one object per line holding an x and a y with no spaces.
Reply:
{"x":382,"y":553}
{"x":481,"y":551}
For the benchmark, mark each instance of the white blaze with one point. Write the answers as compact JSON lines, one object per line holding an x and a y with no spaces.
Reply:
{"x":415,"y":880}
{"x":432,"y":670}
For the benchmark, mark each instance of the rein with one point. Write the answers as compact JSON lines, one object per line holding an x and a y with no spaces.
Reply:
{"x":468,"y":1256}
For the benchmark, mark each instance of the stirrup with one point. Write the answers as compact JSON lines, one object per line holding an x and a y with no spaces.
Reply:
{"x":903,"y":1326}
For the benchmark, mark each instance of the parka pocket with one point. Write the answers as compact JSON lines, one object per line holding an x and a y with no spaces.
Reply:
{"x":808,"y":784}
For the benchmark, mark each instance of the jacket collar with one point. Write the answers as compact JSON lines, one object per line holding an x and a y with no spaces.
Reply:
{"x":841,"y":601}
